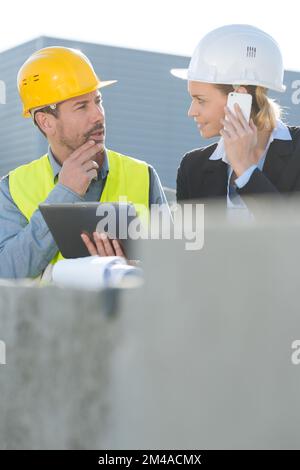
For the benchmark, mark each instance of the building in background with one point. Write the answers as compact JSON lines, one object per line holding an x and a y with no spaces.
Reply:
{"x":146,"y":111}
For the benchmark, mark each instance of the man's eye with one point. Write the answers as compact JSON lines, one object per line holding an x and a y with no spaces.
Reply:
{"x":81,"y":107}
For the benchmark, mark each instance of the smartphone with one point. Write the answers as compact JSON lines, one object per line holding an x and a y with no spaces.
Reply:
{"x":244,"y":100}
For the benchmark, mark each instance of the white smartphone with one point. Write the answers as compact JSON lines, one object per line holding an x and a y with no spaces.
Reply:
{"x":244,"y":100}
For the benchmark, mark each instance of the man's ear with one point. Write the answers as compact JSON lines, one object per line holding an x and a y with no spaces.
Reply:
{"x":46,"y":122}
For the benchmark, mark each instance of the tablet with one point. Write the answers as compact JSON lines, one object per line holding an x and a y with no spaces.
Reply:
{"x":67,"y":221}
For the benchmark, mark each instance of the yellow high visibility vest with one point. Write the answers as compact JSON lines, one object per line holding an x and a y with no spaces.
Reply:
{"x":128,"y":178}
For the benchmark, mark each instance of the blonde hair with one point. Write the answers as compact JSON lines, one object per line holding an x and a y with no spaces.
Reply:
{"x":265,"y":111}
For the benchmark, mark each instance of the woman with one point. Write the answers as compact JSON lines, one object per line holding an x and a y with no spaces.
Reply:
{"x":258,"y":157}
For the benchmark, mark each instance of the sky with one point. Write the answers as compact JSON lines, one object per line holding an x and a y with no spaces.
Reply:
{"x":169,"y":26}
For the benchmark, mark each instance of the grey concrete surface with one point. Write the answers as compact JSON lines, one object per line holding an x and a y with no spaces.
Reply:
{"x":55,"y":382}
{"x":199,"y":357}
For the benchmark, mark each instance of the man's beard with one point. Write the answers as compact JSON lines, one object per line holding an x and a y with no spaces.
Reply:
{"x":69,"y":144}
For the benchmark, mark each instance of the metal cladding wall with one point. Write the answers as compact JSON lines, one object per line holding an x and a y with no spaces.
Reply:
{"x":19,"y":141}
{"x":146,"y":111}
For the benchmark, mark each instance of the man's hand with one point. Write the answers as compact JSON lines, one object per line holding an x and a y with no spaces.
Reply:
{"x":102,"y":245}
{"x":240,"y":139}
{"x":79,"y":169}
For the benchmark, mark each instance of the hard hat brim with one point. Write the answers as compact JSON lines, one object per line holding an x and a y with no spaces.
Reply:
{"x":27,"y":113}
{"x":108,"y":82}
{"x":180,"y":73}
{"x":184,"y":75}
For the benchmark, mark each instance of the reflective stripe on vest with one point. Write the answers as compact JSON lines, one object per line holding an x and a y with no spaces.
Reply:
{"x":127,"y":179}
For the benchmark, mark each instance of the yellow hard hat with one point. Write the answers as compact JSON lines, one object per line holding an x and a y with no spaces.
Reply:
{"x":55,"y":74}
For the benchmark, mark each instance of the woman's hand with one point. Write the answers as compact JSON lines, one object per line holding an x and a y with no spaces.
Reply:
{"x":101,"y":245}
{"x":240,"y":140}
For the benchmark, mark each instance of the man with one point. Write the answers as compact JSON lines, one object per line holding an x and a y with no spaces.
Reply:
{"x":59,"y":89}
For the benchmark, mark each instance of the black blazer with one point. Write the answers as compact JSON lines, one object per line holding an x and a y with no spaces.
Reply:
{"x":201,"y":178}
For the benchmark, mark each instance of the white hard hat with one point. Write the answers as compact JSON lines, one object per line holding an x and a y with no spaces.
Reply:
{"x":236,"y":54}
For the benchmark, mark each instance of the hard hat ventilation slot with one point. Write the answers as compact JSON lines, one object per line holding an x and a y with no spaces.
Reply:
{"x":36,"y":78}
{"x":251,"y":52}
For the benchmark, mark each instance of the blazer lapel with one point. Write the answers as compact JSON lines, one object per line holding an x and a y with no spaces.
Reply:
{"x":214,"y":179}
{"x":277,"y":158}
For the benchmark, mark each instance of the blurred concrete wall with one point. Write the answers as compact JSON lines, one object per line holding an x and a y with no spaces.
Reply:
{"x":199,"y":357}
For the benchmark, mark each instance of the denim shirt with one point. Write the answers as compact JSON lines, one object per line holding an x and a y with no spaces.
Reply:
{"x":26,"y":248}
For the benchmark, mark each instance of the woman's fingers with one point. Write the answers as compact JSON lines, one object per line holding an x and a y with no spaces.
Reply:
{"x":225,"y":134}
{"x":228,"y":128}
{"x":235,"y":124}
{"x":241,"y":117}
{"x":253,"y":126}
